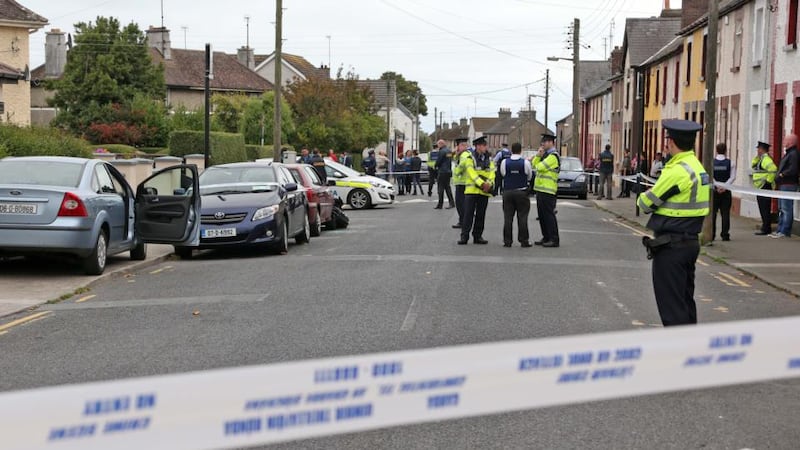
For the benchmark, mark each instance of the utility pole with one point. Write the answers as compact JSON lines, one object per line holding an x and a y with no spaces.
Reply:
{"x":207,"y":101}
{"x":546,"y":97}
{"x":329,"y":50}
{"x":711,"y":109}
{"x":435,"y":124}
{"x":278,"y":85}
{"x":389,"y":151}
{"x":576,"y":88}
{"x":415,"y":142}
{"x":184,"y":28}
{"x":247,"y":22}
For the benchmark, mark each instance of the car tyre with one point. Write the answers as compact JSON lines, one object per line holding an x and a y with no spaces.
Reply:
{"x":139,"y":252}
{"x":359,"y":199}
{"x":95,"y":263}
{"x":183,"y":252}
{"x":316,"y":229}
{"x":304,"y":236}
{"x":332,"y":224}
{"x":282,"y":247}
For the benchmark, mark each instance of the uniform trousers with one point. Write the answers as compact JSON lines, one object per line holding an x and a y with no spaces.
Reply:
{"x":546,"y":207}
{"x":765,"y":210}
{"x":432,"y":174}
{"x":673,"y":282}
{"x":444,"y":188}
{"x":722,"y":204}
{"x":605,"y":185}
{"x":516,"y":203}
{"x":474,"y":215}
{"x":460,"y":202}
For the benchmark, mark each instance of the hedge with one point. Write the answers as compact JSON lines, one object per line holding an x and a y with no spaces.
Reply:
{"x":38,"y":141}
{"x":123,"y":150}
{"x":225,"y":147}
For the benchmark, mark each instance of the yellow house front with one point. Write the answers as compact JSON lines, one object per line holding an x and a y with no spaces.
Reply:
{"x":693,"y":68}
{"x":662,"y":95}
{"x":16,"y":24}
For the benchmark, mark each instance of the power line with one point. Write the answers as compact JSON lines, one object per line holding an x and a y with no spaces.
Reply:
{"x":473,"y":94}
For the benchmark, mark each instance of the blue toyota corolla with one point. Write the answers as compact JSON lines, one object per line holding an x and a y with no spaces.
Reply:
{"x":250,"y":204}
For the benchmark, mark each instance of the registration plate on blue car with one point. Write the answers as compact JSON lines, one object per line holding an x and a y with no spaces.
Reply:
{"x":219,"y":233}
{"x":18,"y":208}
{"x":564,"y":185}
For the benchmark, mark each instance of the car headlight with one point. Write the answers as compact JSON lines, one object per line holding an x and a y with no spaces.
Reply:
{"x":580,"y":179}
{"x":377,"y":185}
{"x":266,"y":212}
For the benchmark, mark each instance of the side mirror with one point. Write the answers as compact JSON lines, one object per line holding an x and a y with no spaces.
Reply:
{"x":338,"y":174}
{"x":290,"y":187}
{"x":150,"y":191}
{"x":179,"y":191}
{"x":331,"y":182}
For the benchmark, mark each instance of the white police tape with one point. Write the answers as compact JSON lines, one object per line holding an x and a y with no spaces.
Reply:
{"x":787,"y":195}
{"x":287,"y":401}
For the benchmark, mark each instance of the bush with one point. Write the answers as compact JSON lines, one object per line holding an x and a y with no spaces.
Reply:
{"x":38,"y":141}
{"x":123,"y":150}
{"x":225,"y":147}
{"x":255,"y":152}
{"x":154,"y":150}
{"x":3,"y":151}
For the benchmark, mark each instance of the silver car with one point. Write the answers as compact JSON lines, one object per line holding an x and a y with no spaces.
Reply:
{"x":85,"y":208}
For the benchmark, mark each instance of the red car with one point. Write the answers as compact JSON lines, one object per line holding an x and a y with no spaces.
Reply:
{"x":320,"y":197}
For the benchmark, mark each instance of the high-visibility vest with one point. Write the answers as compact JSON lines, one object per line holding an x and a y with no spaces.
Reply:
{"x":460,"y":171}
{"x":764,"y":170}
{"x":546,"y":169}
{"x":477,"y":176}
{"x":683,"y":190}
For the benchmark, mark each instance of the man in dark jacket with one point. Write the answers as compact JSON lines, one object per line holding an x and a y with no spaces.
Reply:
{"x":606,"y":174}
{"x":319,"y":166}
{"x":369,"y":164}
{"x":786,"y":179}
{"x":444,"y":167}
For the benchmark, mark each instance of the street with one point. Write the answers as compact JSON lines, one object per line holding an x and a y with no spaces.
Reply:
{"x":396,"y":280}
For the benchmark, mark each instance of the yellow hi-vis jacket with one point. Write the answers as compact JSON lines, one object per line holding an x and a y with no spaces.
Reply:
{"x":460,"y":171}
{"x":546,"y":169}
{"x":476,"y":177}
{"x":764,"y":170}
{"x":683,"y":190}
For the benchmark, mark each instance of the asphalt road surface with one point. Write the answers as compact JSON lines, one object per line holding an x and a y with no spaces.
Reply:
{"x":396,"y":280}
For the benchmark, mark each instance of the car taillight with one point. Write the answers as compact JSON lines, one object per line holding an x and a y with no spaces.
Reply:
{"x":72,"y":206}
{"x":310,"y":195}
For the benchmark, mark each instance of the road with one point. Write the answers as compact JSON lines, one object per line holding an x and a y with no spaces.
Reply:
{"x":396,"y":280}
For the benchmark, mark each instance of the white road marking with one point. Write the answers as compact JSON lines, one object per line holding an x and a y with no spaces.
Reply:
{"x":411,"y":315}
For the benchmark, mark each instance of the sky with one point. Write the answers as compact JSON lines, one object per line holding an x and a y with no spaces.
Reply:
{"x":470,"y":57}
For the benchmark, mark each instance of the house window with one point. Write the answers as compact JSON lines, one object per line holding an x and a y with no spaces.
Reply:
{"x":703,"y":58}
{"x":688,"y":63}
{"x":758,"y":42}
{"x":647,"y":88}
{"x":737,"y":46}
{"x":664,"y":85}
{"x":677,"y":81}
{"x":658,"y":85}
{"x":627,"y":94}
{"x":791,"y":36}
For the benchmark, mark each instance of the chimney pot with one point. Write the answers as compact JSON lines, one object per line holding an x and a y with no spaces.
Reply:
{"x":55,"y":53}
{"x":158,"y":38}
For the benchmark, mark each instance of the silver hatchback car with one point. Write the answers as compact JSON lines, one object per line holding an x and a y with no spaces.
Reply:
{"x":85,"y":208}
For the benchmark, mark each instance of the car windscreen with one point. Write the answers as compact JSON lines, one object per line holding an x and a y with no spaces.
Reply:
{"x":40,"y":173}
{"x":571,"y":165}
{"x":232,"y":180}
{"x":341,"y":168}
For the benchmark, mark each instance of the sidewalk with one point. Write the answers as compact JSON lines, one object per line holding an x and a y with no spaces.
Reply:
{"x":774,"y":261}
{"x":26,"y":283}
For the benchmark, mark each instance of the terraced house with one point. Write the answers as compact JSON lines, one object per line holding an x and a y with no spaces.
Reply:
{"x":16,"y":24}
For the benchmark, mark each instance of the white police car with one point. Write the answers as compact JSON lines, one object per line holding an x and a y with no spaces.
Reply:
{"x":357,"y":190}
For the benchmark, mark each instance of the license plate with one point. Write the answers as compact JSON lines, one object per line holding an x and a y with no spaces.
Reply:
{"x":18,"y":208}
{"x":564,"y":185}
{"x":219,"y":232}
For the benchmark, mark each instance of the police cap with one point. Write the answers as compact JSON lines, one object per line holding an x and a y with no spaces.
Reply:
{"x":763,"y":145}
{"x":461,"y":139}
{"x":371,"y":152}
{"x":548,"y":137}
{"x":479,"y":141}
{"x":681,"y":128}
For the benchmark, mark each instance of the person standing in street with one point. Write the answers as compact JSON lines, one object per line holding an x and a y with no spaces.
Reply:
{"x":657,"y":166}
{"x":724,"y":172}
{"x":347,"y":160}
{"x":480,"y":177}
{"x":383,"y":165}
{"x":764,"y":170}
{"x":400,"y":169}
{"x":432,"y":173}
{"x":444,"y":166}
{"x":501,"y":155}
{"x":369,"y":164}
{"x":305,"y":157}
{"x":678,"y":203}
{"x":516,"y":175}
{"x":786,"y":180}
{"x":626,"y":168}
{"x":416,"y":167}
{"x":319,"y":166}
{"x":606,"y":174}
{"x":546,"y":164}
{"x":460,"y":176}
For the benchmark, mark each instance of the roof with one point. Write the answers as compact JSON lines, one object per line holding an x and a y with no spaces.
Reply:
{"x":38,"y":73}
{"x":452,"y":133}
{"x":10,"y":73}
{"x":725,"y":7}
{"x":481,"y":124}
{"x":528,"y":125}
{"x":674,"y":46}
{"x":645,"y":37}
{"x":503,"y":126}
{"x":302,"y":65}
{"x":13,"y":11}
{"x":593,"y":74}
{"x":383,"y":90}
{"x":601,"y":89}
{"x":186,"y":68}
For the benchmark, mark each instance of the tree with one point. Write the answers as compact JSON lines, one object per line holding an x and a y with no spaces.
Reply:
{"x":408,"y":92}
{"x":109,"y":75}
{"x":256,"y":120}
{"x":335,"y":114}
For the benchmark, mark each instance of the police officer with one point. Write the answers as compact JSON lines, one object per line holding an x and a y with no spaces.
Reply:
{"x":369,"y":164}
{"x":546,"y":164}
{"x":444,"y":166}
{"x":319,"y":166}
{"x":460,"y":177}
{"x":501,"y":155}
{"x":480,"y":178}
{"x":678,"y":203}
{"x":764,"y":170}
{"x":724,"y":172}
{"x":516,"y":175}
{"x":606,"y":174}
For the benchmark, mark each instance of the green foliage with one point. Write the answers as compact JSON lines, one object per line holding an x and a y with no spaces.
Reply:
{"x":225,"y":147}
{"x":257,"y":119}
{"x":120,"y":149}
{"x":3,"y":151}
{"x":34,"y":141}
{"x":255,"y":152}
{"x":154,"y":150}
{"x":408,"y":92}
{"x":110,"y":78}
{"x":183,"y":119}
{"x":425,"y":143}
{"x":228,"y":111}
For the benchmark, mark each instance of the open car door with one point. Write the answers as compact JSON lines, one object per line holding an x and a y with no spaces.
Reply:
{"x":168,"y":207}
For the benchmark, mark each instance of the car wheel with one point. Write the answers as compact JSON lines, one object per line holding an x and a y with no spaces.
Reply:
{"x":183,"y":252}
{"x":332,"y":224}
{"x":316,"y":229}
{"x":359,"y":199}
{"x":139,"y":252}
{"x":282,"y":246}
{"x":95,"y":263}
{"x":304,"y":236}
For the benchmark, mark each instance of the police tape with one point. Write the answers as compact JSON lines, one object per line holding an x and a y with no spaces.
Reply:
{"x":288,"y":401}
{"x":403,"y":173}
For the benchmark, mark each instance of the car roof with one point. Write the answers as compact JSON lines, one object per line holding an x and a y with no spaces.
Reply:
{"x":60,"y":159}
{"x":242,"y":164}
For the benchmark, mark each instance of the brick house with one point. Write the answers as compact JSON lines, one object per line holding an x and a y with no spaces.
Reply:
{"x":16,"y":24}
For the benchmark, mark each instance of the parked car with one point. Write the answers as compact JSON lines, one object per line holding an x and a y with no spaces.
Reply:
{"x":357,"y":190}
{"x":250,"y":204}
{"x":571,"y":179}
{"x":319,"y":196}
{"x":84,"y":208}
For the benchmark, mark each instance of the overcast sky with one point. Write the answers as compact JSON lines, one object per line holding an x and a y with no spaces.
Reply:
{"x":471,"y":57}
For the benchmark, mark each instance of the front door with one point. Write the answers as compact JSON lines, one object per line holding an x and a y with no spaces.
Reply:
{"x":168,"y":207}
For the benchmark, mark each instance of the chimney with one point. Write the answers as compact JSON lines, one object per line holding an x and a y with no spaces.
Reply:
{"x":616,"y":60}
{"x":525,"y":114}
{"x":246,"y":57}
{"x":454,"y":125}
{"x":55,"y":53}
{"x":464,"y":122}
{"x":692,"y":10}
{"x":445,"y":126}
{"x":324,"y":72}
{"x":504,"y":113}
{"x":158,"y":38}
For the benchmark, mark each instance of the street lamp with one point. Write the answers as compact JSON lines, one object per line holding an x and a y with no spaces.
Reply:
{"x":576,"y":119}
